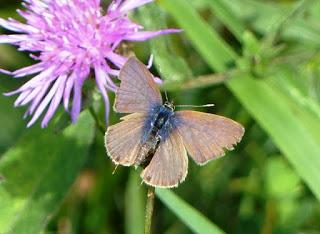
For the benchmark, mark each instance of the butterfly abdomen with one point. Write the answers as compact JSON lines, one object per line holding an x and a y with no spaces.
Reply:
{"x":157,"y":129}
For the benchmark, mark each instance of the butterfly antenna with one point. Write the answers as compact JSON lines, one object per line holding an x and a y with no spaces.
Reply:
{"x":206,"y":105}
{"x":114,"y":171}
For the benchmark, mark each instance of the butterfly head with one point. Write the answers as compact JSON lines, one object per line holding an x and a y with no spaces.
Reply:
{"x":169,"y":105}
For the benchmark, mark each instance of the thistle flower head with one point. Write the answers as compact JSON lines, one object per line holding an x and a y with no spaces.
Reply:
{"x":69,"y":39}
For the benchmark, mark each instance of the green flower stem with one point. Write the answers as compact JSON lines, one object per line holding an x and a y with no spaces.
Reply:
{"x":149,"y":210}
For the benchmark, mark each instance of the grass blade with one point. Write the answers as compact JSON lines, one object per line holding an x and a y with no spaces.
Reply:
{"x":188,"y":215}
{"x":212,"y":48}
{"x":225,"y":14}
{"x":279,"y":118}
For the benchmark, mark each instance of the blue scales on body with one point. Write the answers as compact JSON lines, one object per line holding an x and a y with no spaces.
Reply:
{"x":157,"y":127}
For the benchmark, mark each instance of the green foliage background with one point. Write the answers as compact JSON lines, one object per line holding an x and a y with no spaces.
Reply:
{"x":257,"y":61}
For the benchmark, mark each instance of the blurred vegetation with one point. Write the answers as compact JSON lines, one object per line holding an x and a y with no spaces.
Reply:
{"x":257,"y":61}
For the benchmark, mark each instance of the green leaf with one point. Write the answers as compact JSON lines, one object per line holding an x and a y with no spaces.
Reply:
{"x":188,"y":215}
{"x":285,"y":120}
{"x":134,"y":204}
{"x":38,"y":173}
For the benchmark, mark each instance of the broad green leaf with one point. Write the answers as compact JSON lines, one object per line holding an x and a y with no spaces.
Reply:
{"x":38,"y":173}
{"x":134,"y":205}
{"x":269,"y":106}
{"x":188,"y":215}
{"x":306,"y":110}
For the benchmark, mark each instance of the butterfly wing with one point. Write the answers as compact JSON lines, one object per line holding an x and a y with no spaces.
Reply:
{"x":206,"y":136}
{"x":123,"y":140}
{"x":137,"y":92}
{"x":169,"y":165}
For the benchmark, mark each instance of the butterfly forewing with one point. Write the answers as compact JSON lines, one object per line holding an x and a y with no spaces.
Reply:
{"x":137,"y":92}
{"x":123,"y":140}
{"x":169,"y":165}
{"x":206,"y":136}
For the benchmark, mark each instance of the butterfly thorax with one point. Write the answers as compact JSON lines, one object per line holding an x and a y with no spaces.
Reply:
{"x":158,"y":128}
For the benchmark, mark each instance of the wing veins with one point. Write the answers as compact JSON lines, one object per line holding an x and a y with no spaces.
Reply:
{"x":146,"y":74}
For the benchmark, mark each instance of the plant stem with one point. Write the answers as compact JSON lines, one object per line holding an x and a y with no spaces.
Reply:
{"x":149,"y":210}
{"x":200,"y":82}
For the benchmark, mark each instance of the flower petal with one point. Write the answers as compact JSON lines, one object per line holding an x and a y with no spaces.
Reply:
{"x":116,"y":59}
{"x":114,"y":5}
{"x":34,"y":93}
{"x":150,"y":61}
{"x":44,"y":76}
{"x":102,"y":75}
{"x":142,"y":36}
{"x":38,"y":98}
{"x":16,"y":26}
{"x":67,"y":90}
{"x":45,"y":102}
{"x":131,"y":4}
{"x":22,"y":97}
{"x":13,"y":38}
{"x":55,"y":101}
{"x":28,"y":70}
{"x":82,"y":72}
{"x":3,"y":71}
{"x":76,"y":103}
{"x":101,"y":83}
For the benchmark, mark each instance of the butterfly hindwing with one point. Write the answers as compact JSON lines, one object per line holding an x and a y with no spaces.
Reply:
{"x":169,"y":165}
{"x":206,"y":136}
{"x":137,"y":92}
{"x":123,"y":140}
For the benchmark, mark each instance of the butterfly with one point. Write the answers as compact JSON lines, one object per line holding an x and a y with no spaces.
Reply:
{"x":156,"y":137}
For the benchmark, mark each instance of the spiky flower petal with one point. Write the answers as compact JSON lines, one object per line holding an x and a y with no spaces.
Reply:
{"x":69,"y":39}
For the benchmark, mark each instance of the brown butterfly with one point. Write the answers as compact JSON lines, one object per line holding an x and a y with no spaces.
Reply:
{"x":157,"y":138}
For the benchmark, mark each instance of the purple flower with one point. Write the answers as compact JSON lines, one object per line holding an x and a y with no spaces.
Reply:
{"x":70,"y":39}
